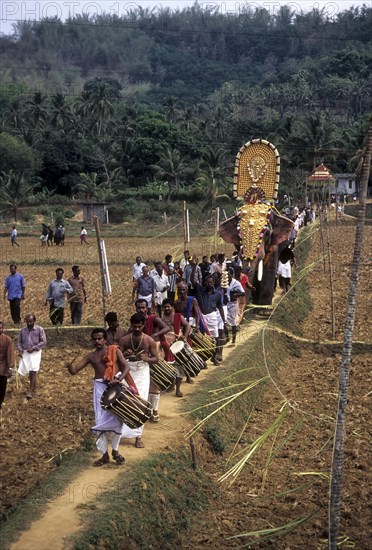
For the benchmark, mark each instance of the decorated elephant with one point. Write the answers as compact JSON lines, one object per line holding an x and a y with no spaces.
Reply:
{"x":258,"y":231}
{"x":264,"y":264}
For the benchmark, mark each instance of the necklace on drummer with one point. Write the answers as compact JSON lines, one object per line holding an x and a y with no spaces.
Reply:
{"x":139,"y":345}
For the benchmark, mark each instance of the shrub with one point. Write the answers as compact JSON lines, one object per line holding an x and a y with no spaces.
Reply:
{"x":69,"y":213}
{"x":214,"y":437}
{"x":27,"y":216}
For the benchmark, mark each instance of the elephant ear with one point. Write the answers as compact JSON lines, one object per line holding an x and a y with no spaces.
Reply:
{"x":281,"y":228}
{"x":229,"y":231}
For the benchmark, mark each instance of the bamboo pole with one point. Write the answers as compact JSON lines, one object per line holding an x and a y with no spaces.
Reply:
{"x":184,"y":226}
{"x":98,"y":236}
{"x":335,"y":497}
{"x":321,"y":239}
{"x":193,"y":453}
{"x":187,"y":226}
{"x":333,"y":317}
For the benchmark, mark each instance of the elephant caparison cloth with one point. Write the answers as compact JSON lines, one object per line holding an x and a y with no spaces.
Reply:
{"x":274,"y":240}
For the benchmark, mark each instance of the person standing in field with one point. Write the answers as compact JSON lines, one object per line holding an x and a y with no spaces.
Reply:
{"x":31,"y":341}
{"x":15,"y":287}
{"x":78,"y":297}
{"x":83,"y":235}
{"x":185,"y":260}
{"x":63,"y":235}
{"x":13,"y":236}
{"x":136,"y":274}
{"x":234,"y":291}
{"x":55,"y":296}
{"x":50,"y":236}
{"x":6,"y":361}
{"x":146,"y":288}
{"x":173,"y":279}
{"x":161,"y":286}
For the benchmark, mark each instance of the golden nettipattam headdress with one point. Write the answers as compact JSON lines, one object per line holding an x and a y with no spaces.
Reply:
{"x":256,"y":180}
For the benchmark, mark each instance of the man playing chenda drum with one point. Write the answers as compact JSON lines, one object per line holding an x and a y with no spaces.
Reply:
{"x":155,"y":328}
{"x":188,"y":306}
{"x":108,"y":426}
{"x":179,"y":329}
{"x":139,"y":350}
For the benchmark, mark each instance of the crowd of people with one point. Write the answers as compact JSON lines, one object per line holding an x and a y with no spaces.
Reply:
{"x":198,"y":305}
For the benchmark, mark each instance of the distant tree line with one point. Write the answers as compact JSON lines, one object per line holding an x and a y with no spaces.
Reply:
{"x":99,"y":108}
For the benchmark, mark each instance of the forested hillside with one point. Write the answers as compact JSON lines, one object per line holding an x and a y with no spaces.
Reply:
{"x":159,"y":103}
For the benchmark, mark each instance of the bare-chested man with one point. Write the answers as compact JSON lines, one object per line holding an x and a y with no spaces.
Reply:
{"x":114,"y":331}
{"x":155,"y":328}
{"x":179,"y":329}
{"x":140,"y":350}
{"x":108,"y":426}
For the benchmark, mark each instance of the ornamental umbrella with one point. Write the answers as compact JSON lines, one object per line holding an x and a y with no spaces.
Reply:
{"x":319,"y":179}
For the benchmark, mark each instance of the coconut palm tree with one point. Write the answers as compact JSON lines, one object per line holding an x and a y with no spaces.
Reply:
{"x":60,"y":111}
{"x":15,"y":190}
{"x":170,"y":107}
{"x":313,"y":139}
{"x":13,"y":116}
{"x":171,"y":166}
{"x":36,"y":110}
{"x":212,"y":173}
{"x":90,"y":188}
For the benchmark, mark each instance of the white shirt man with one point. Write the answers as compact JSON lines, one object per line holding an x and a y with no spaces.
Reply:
{"x":137,"y":268}
{"x":161,"y":287}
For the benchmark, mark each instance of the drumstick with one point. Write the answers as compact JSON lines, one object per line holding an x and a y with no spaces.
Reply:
{"x":74,"y":359}
{"x":76,"y":356}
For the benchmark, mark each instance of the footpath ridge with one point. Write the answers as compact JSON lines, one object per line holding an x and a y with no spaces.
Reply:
{"x":61,"y":518}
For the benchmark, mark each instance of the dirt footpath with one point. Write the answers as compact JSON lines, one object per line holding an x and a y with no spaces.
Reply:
{"x":61,"y":518}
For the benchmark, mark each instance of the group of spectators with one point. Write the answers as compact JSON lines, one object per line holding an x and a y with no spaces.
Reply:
{"x":32,"y":338}
{"x":57,"y":236}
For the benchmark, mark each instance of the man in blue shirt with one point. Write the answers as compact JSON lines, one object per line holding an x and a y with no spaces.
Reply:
{"x":210,"y":300}
{"x":55,"y":296}
{"x":15,"y":287}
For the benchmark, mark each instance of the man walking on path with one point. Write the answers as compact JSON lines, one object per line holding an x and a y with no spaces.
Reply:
{"x":55,"y":296}
{"x":139,"y":350}
{"x":31,"y":340}
{"x":108,"y":426}
{"x":15,"y":287}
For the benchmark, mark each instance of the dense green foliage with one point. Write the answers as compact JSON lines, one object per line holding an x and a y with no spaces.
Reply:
{"x":166,"y":99}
